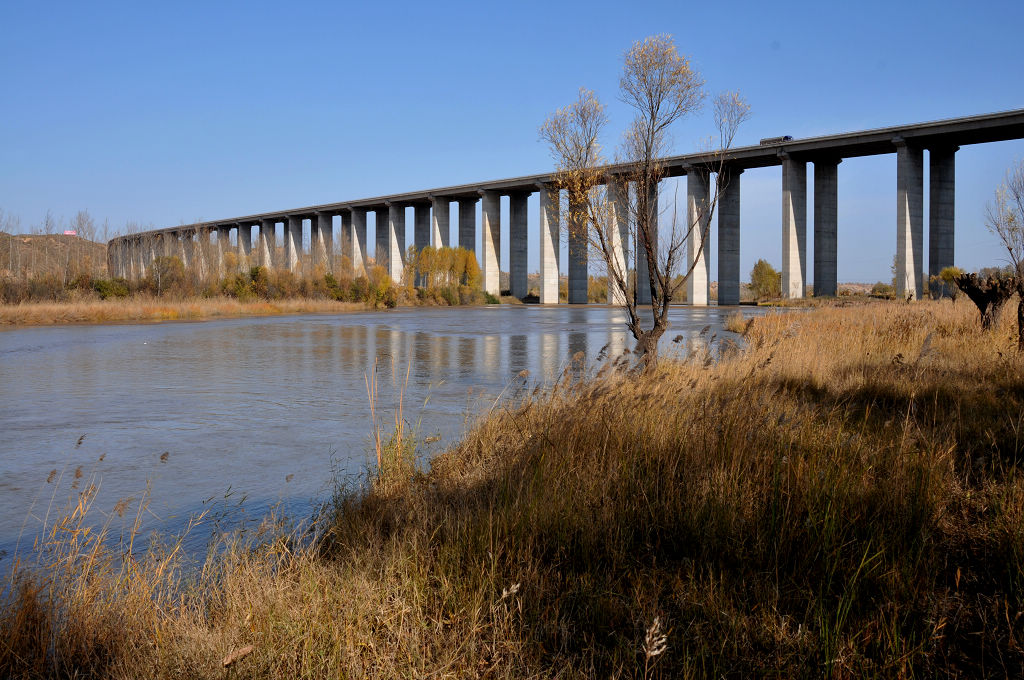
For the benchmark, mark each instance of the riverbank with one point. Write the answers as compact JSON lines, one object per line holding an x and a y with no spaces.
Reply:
{"x":149,"y":309}
{"x":840,"y":498}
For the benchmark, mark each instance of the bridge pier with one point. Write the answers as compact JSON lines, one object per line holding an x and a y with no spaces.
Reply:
{"x":421,"y":231}
{"x":549,"y":243}
{"x":698,"y":236}
{"x":169,"y":244}
{"x":243,"y":244}
{"x":391,"y":240}
{"x":490,"y":235}
{"x":321,"y":242}
{"x":136,"y":252}
{"x":729,"y":236}
{"x":643,"y":277}
{"x":223,"y":248}
{"x":421,"y":226}
{"x":794,"y":226}
{"x":440,"y":221}
{"x":205,"y":255}
{"x":292,"y":243}
{"x":578,"y":246}
{"x":909,"y":219}
{"x":467,"y":224}
{"x":941,"y":204}
{"x":826,"y":227}
{"x":267,"y":243}
{"x":353,"y":240}
{"x":618,"y":236}
{"x":517,"y":243}
{"x":184,"y":243}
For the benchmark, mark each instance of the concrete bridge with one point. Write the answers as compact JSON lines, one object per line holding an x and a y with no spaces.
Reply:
{"x":130,"y":256}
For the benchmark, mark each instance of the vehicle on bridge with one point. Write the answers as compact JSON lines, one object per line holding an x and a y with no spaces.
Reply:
{"x":776,"y":140}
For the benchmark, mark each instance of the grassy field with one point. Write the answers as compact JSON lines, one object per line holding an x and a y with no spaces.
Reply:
{"x":839,"y":499}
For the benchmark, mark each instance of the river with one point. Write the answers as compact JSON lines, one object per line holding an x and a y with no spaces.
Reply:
{"x":240,"y":415}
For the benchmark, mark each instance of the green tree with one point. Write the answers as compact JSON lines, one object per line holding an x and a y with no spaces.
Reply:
{"x":765,"y":281}
{"x":945,"y":283}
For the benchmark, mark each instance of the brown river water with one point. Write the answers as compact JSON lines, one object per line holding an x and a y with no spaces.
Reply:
{"x":238,"y":416}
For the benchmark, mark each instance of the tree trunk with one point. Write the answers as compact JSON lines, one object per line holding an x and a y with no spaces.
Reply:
{"x":988,"y":294}
{"x":647,"y":347}
{"x":1020,"y":321}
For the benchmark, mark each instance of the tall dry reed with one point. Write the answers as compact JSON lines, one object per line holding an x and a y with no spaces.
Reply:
{"x":838,"y":499}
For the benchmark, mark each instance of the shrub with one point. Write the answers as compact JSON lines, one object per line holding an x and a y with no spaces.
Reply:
{"x":110,"y":288}
{"x":765,"y":281}
{"x":882,"y":289}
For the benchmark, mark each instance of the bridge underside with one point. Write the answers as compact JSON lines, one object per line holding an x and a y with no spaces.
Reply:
{"x":208,"y":250}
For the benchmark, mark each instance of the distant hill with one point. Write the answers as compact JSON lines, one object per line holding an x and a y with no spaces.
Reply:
{"x":30,"y":255}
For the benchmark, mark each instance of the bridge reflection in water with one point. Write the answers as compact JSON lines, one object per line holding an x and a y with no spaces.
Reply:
{"x":269,"y":407}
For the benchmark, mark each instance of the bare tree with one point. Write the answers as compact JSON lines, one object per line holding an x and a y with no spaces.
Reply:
{"x":661,"y":88}
{"x":84,"y":225}
{"x":1005,"y":218}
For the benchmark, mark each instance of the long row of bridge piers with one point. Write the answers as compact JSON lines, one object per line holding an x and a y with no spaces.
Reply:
{"x":255,"y":241}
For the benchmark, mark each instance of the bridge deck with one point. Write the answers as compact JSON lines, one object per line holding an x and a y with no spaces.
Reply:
{"x":953,"y":132}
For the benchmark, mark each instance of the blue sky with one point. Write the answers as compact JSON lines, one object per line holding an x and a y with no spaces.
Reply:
{"x":163,"y":113}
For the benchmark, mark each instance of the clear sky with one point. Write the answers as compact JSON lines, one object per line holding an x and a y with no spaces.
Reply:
{"x":163,"y":113}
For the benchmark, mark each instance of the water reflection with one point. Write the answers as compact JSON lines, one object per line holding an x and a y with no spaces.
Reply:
{"x":243,"y":404}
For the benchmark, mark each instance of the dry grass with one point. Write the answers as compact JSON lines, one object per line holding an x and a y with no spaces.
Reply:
{"x":735,"y":322}
{"x":143,"y":308}
{"x":840,"y":499}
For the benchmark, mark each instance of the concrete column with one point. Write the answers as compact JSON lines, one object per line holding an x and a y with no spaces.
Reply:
{"x":154,"y":248}
{"x":490,"y":249}
{"x":794,"y":227}
{"x":203,"y":260}
{"x":517,"y":244}
{"x":353,"y":224}
{"x":941,"y":195}
{"x":140,"y":256}
{"x":136,"y":254}
{"x":729,"y":236}
{"x":909,"y":219}
{"x":321,"y":241}
{"x":170,"y":244}
{"x":826,"y":227}
{"x":185,"y":247}
{"x":698,"y":237}
{"x":243,"y":245}
{"x":223,"y":248}
{"x":618,"y":237}
{"x":549,"y":246}
{"x":129,"y":259}
{"x":578,"y":280}
{"x":267,"y":243}
{"x":114,"y":259}
{"x":292,"y":242}
{"x":136,"y":251}
{"x":467,"y":224}
{"x":421,"y":232}
{"x":381,"y":245}
{"x":440,"y":222}
{"x":120,"y":250}
{"x":112,"y":264}
{"x":643,"y":277}
{"x":391,"y":240}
